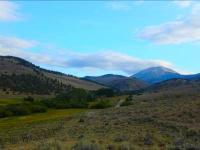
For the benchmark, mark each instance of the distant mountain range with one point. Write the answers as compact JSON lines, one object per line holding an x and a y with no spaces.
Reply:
{"x":21,"y":76}
{"x":140,"y":80}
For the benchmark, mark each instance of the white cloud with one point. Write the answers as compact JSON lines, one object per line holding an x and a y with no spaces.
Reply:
{"x":183,"y":3}
{"x":118,"y":5}
{"x":112,"y":61}
{"x":179,"y":31}
{"x":13,"y":42}
{"x":13,"y":46}
{"x":9,"y":11}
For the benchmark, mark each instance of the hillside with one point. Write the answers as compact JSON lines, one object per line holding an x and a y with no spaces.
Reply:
{"x":118,"y":82}
{"x":20,"y":76}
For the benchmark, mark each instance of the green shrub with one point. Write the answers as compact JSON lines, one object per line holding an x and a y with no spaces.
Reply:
{"x":21,"y":109}
{"x":50,"y":145}
{"x":37,"y":108}
{"x":101,"y":104}
{"x":148,"y":139}
{"x":18,"y":110}
{"x":125,"y":146}
{"x":129,"y":98}
{"x":4,"y":112}
{"x":104,"y":92}
{"x":126,"y":103}
{"x":29,"y":99}
{"x":121,"y":138}
{"x":86,"y":146}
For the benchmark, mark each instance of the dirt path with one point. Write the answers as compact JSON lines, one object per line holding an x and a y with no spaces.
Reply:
{"x":119,"y":103}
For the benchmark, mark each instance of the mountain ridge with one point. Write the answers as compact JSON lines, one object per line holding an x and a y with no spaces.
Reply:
{"x":118,"y":82}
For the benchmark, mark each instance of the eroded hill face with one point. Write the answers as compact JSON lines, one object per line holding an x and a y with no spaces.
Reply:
{"x":21,"y":76}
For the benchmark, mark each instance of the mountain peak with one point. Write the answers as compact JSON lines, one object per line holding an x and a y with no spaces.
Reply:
{"x":159,"y":69}
{"x":156,"y":74}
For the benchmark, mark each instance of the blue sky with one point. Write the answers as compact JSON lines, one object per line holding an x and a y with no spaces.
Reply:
{"x":94,"y":38}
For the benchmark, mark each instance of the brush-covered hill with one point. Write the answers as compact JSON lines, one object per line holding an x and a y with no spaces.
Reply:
{"x":20,"y":76}
{"x":118,"y":82}
{"x":183,"y":86}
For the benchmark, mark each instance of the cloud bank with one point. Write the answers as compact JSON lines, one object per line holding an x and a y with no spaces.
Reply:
{"x":110,"y":60}
{"x":106,"y":60}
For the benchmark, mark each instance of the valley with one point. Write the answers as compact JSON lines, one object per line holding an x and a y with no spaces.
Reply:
{"x":120,"y":113}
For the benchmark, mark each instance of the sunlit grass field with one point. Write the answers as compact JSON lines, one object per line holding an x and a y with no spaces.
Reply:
{"x":7,"y":101}
{"x":12,"y":123}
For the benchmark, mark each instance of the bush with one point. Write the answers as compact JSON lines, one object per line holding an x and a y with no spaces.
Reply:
{"x":101,"y":104}
{"x":61,"y":104}
{"x":105,"y":92}
{"x":125,"y":146}
{"x":126,"y":103}
{"x":86,"y":146}
{"x":4,"y":112}
{"x":129,"y":98}
{"x":37,"y":109}
{"x":29,"y":99}
{"x":49,"y":145}
{"x":148,"y":139}
{"x":18,"y":110}
{"x":121,"y":138}
{"x":21,"y":109}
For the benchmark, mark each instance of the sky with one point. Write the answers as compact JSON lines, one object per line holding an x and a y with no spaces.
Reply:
{"x":100,"y":37}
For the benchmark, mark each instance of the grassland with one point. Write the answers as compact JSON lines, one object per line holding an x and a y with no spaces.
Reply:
{"x":155,"y":121}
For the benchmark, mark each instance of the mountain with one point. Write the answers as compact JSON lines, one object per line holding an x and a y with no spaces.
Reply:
{"x":21,"y":76}
{"x":156,"y":74}
{"x":118,"y":82}
{"x":191,"y":77}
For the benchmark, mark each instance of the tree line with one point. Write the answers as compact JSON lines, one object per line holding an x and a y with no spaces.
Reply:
{"x":72,"y":98}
